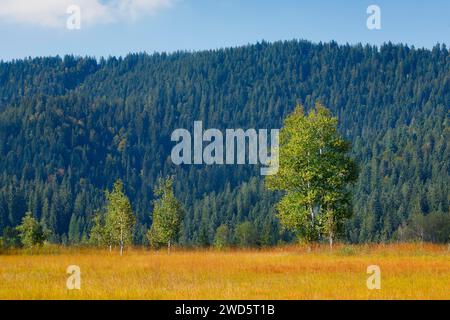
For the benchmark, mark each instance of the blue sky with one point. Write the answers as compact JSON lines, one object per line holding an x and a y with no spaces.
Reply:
{"x":117,"y":27}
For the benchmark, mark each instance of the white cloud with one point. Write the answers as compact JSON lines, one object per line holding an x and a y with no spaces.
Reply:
{"x":52,"y":13}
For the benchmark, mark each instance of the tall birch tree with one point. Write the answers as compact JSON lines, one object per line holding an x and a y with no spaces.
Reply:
{"x":119,"y":220}
{"x":315,"y":174}
{"x":167,"y":215}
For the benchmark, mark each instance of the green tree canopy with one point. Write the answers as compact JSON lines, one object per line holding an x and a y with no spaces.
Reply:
{"x":246,"y":234}
{"x":98,"y":235}
{"x":119,"y":220}
{"x":314,"y":174}
{"x":167,"y":215}
{"x":31,"y":232}
{"x":222,"y":237}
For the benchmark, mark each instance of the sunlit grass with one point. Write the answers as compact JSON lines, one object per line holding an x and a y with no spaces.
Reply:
{"x":408,"y":271}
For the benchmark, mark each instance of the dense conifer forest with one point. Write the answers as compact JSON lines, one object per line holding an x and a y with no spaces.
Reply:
{"x":70,"y":126}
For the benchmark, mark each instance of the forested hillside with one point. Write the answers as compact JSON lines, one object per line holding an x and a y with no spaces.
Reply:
{"x":69,"y":127}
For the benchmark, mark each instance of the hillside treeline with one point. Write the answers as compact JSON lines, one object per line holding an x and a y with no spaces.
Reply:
{"x":71,"y":126}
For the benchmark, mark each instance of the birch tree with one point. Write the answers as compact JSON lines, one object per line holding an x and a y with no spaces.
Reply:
{"x":167,"y":215}
{"x":119,"y":220}
{"x":315,"y":172}
{"x":31,"y":232}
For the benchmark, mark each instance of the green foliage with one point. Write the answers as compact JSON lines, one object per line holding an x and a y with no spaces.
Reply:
{"x":246,"y":234}
{"x":31,"y":232}
{"x":10,"y":238}
{"x":314,"y":173}
{"x":434,"y":227}
{"x":167,"y":215}
{"x":222,"y":237}
{"x":98,"y":236}
{"x":69,"y":126}
{"x":119,"y":220}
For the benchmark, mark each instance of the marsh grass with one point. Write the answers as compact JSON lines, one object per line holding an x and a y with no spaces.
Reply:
{"x":408,"y":271}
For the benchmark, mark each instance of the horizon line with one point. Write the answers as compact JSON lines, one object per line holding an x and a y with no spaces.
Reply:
{"x":225,"y":48}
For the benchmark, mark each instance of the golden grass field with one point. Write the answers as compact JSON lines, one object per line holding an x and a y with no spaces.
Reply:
{"x":408,"y":271}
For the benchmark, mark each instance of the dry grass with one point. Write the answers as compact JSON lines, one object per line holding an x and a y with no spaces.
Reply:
{"x":408,"y":271}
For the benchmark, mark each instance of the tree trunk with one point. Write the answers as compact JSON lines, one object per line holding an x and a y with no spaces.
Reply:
{"x":110,"y":242}
{"x":311,"y":212}
{"x":168,"y":247}
{"x":331,"y":240}
{"x":121,"y":241}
